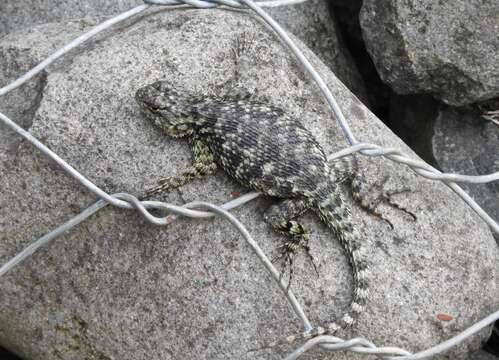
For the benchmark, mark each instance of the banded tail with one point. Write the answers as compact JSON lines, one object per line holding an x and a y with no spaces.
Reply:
{"x":333,"y":211}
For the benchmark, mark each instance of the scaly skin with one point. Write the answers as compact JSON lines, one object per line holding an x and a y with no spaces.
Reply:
{"x":264,"y":149}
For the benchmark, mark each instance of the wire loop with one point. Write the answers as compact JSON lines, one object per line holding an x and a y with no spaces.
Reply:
{"x":203,"y":210}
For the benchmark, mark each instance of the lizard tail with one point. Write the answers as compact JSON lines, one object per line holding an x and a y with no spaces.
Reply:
{"x":333,"y":211}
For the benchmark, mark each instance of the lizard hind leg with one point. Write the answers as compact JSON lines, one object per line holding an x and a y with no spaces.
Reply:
{"x":370,"y":204}
{"x":281,"y":216}
{"x":346,"y":170}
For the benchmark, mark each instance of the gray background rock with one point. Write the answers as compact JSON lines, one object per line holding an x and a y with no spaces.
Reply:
{"x":482,"y":355}
{"x":20,"y":14}
{"x":465,"y":143}
{"x":448,"y":49}
{"x":116,"y":287}
{"x":310,"y":21}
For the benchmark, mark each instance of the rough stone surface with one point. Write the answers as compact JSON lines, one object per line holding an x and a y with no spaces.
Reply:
{"x":116,"y":287}
{"x":311,"y":22}
{"x":465,"y":143}
{"x":482,"y":355}
{"x":448,"y":49}
{"x":16,"y":15}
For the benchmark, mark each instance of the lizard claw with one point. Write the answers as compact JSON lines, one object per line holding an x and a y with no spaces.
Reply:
{"x":287,"y":251}
{"x":386,"y":197}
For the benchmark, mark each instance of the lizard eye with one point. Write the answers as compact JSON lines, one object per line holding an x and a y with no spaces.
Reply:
{"x":154,"y":107}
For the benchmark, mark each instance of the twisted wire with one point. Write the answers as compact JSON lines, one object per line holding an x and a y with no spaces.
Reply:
{"x":127,"y":201}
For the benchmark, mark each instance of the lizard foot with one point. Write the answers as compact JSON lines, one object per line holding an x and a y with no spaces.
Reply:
{"x":297,"y":240}
{"x":386,"y":197}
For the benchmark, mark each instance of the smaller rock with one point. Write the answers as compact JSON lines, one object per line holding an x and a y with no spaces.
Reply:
{"x":448,"y":49}
{"x":483,"y":355}
{"x":465,"y":143}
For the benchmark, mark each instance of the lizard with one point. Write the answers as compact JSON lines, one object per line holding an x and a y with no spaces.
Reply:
{"x":264,"y":149}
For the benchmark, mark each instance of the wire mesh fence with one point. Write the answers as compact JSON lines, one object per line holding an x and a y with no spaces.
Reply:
{"x":200,"y":209}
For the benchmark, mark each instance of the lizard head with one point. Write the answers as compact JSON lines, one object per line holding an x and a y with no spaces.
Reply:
{"x":167,"y":108}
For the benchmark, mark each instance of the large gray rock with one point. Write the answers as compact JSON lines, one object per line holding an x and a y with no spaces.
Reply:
{"x":117,"y":287}
{"x":448,"y":49}
{"x":310,"y":21}
{"x":464,"y":142}
{"x":16,"y":15}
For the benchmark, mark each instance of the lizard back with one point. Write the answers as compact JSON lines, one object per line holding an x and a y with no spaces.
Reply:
{"x":262,"y":147}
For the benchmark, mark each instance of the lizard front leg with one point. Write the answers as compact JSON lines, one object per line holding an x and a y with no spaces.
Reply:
{"x":203,"y":164}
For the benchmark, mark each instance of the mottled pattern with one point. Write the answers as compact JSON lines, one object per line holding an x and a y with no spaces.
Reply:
{"x":266,"y":150}
{"x":263,"y":148}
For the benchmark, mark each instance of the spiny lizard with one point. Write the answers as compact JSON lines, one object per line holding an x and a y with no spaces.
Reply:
{"x":268,"y":151}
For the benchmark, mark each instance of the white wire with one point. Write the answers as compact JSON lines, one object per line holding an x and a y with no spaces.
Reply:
{"x":128,"y":201}
{"x":78,"y":41}
{"x":363,"y":346}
